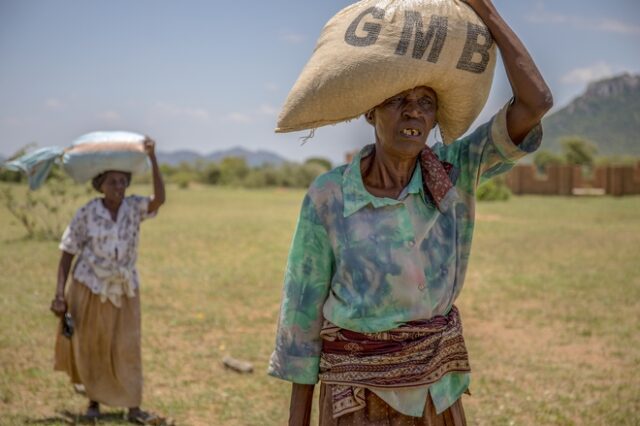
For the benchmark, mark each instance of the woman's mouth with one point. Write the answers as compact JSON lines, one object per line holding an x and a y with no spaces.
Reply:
{"x":409,"y":131}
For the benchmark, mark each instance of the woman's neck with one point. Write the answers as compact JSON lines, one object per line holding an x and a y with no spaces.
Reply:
{"x":384,"y":176}
{"x":112,"y":206}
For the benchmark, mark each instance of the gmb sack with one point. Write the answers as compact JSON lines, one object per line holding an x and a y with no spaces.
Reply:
{"x":374,"y":49}
{"x":86,"y":157}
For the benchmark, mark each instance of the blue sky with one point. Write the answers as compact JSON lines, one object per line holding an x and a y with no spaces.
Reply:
{"x":210,"y":75}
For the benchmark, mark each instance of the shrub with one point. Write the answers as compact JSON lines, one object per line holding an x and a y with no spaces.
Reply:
{"x":494,"y":189}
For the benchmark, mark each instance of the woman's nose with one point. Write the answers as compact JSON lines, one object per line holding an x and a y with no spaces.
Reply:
{"x":411,"y":109}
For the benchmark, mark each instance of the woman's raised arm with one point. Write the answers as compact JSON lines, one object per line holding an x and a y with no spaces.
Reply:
{"x":158,"y":184}
{"x":532,"y":97}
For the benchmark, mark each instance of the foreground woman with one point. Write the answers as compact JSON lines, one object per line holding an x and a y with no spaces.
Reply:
{"x":380,"y":254}
{"x":102,"y":353}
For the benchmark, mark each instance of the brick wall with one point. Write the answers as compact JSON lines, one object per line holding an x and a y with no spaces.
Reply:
{"x":569,"y":180}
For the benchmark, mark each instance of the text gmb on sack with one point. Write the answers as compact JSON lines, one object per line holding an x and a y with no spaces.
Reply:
{"x":477,"y":45}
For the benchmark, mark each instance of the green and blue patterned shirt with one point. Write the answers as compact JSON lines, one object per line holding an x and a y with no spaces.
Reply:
{"x":370,"y":264}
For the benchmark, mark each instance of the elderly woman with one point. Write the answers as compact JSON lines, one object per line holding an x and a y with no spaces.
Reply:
{"x":380,"y":253}
{"x":102,"y":352}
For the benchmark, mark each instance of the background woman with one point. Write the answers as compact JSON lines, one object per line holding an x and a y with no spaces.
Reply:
{"x":103,"y":354}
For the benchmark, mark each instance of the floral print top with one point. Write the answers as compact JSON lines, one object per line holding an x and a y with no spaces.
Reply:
{"x":106,"y":249}
{"x":370,"y":264}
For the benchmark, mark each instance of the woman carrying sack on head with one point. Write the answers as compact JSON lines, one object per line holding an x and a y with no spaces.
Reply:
{"x":380,"y":254}
{"x":100,"y":348}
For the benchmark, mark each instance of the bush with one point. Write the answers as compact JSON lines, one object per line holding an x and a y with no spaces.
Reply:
{"x":233,"y":170}
{"x":494,"y":189}
{"x":322,"y":162}
{"x":46,"y":212}
{"x":545,"y":158}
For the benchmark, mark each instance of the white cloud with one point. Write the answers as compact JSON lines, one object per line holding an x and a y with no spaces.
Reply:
{"x":291,"y":37}
{"x":165,"y":109}
{"x":588,"y":74}
{"x":53,"y":104}
{"x":269,"y":110}
{"x":12,"y":121}
{"x":614,"y":26}
{"x":239,"y":118}
{"x":542,"y":16}
{"x":271,"y":87}
{"x":110,"y":117}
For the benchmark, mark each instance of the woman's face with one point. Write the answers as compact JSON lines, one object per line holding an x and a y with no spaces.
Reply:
{"x":114,"y":186}
{"x":402,"y":122}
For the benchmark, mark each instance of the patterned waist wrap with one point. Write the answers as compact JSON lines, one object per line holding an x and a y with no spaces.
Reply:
{"x":417,"y":353}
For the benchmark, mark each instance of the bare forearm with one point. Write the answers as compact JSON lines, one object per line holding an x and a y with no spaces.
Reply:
{"x":526,"y":81}
{"x":158,"y":183}
{"x":532,"y":96}
{"x":301,"y":403}
{"x":64,"y":266}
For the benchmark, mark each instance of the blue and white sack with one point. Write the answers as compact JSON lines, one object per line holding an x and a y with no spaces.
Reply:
{"x":86,"y":157}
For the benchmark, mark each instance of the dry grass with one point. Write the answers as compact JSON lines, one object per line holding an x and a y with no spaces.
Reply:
{"x":551,"y":312}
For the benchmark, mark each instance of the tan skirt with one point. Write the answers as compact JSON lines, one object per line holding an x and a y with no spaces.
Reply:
{"x":379,"y":413}
{"x":104,"y":352}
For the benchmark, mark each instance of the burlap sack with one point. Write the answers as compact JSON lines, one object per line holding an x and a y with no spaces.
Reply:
{"x":98,"y":152}
{"x":374,"y":49}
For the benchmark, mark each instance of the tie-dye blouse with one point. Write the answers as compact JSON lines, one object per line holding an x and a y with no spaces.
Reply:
{"x":369,"y":264}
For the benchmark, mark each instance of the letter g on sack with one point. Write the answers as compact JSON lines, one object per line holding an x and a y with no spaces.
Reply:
{"x":372,"y":29}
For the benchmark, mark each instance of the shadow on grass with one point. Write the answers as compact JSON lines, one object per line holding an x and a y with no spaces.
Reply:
{"x":67,"y":417}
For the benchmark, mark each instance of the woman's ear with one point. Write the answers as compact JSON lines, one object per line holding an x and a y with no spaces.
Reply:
{"x":370,"y":116}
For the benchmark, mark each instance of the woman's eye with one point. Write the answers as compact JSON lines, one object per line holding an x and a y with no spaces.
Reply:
{"x":426,"y":101}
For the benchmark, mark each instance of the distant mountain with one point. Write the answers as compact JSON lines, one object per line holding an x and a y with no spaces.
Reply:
{"x":253,"y":158}
{"x":174,"y":158}
{"x":257,"y":158}
{"x":608,"y":114}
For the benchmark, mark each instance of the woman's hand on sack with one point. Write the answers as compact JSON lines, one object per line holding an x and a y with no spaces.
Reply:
{"x":476,"y":5}
{"x":58,"y":306}
{"x":149,"y":146}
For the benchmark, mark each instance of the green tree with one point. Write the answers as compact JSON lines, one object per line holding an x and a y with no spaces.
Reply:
{"x":211,"y":174}
{"x":578,"y":151}
{"x":322,"y":162}
{"x":545,"y":158}
{"x":233,"y":170}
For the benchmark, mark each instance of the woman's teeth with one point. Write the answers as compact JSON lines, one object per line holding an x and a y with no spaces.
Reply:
{"x":411,"y":132}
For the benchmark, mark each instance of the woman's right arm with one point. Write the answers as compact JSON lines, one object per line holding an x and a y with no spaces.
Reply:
{"x":58,"y":304}
{"x":300,"y":407}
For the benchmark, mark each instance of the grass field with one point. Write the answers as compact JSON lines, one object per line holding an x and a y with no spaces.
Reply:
{"x":551,"y":309}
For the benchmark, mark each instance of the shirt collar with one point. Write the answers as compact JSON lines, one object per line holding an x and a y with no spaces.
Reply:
{"x":102,"y":211}
{"x":356,"y":195}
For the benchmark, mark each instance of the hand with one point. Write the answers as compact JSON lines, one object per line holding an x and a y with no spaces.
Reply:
{"x":477,"y":5}
{"x":149,"y":146}
{"x":58,"y":306}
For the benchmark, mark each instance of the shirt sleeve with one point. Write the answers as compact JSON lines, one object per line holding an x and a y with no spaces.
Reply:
{"x":307,"y":281}
{"x":489,"y":151}
{"x":141,"y":205}
{"x":75,"y":235}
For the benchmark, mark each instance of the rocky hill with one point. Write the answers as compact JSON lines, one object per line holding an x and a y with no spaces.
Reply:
{"x":608,"y":114}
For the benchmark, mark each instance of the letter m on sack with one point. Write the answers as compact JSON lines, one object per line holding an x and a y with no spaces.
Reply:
{"x":437,"y":32}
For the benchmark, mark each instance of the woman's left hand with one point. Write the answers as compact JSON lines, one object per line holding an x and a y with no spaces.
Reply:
{"x":149,"y":146}
{"x":476,"y":4}
{"x":58,"y":306}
